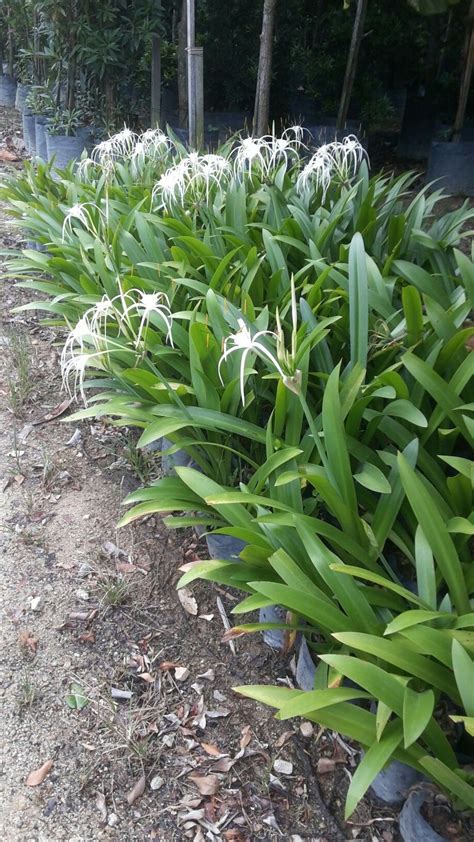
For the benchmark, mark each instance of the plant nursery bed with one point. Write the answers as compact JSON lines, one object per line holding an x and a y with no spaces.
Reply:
{"x":119,"y":717}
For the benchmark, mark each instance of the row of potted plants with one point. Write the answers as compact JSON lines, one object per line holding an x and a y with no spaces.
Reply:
{"x":294,"y":335}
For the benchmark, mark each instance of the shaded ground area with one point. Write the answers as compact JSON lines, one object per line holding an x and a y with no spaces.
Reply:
{"x":120,"y":692}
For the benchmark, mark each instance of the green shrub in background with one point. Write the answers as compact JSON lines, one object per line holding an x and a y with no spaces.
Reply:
{"x":300,"y":329}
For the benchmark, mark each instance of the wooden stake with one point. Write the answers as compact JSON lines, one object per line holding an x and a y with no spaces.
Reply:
{"x":352,"y":60}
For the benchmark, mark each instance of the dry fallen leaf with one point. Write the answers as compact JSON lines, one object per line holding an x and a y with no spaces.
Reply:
{"x":216,"y":714}
{"x":136,"y":791}
{"x":191,"y":816}
{"x":87,"y":637}
{"x":37,"y":777}
{"x":100,"y":804}
{"x":246,"y":736}
{"x":211,"y":749}
{"x":27,"y":641}
{"x":232,"y":634}
{"x":283,"y":738}
{"x":125,"y":567}
{"x":188,"y":602}
{"x":209,"y":675}
{"x":147,"y":676}
{"x":168,"y":665}
{"x":58,"y":410}
{"x":207,"y":784}
{"x":6,"y":155}
{"x":325,"y":765}
{"x":111,"y":550}
{"x":224,"y":765}
{"x":181,"y":673}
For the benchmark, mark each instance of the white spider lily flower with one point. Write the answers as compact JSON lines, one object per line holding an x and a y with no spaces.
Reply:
{"x":100,"y":313}
{"x":156,"y":141}
{"x":153,"y":145}
{"x":250,"y":152}
{"x":81,"y":214}
{"x":76,"y":355}
{"x":192,"y":179}
{"x":339,"y":159}
{"x":285,"y":149}
{"x":347,"y":156}
{"x":75,"y":365}
{"x":86,"y":165}
{"x":208,"y":170}
{"x":317,"y":172}
{"x":77,"y":336}
{"x":120,"y":145}
{"x":138,"y":157}
{"x":149,"y":303}
{"x":295,"y":134}
{"x":85,"y":347}
{"x":245,"y":342}
{"x":282,"y":151}
{"x":170,"y":187}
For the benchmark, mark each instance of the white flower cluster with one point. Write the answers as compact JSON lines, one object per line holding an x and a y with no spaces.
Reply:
{"x":88,"y":343}
{"x":153,"y":146}
{"x":269,"y":152}
{"x":339,"y":159}
{"x":191,"y":178}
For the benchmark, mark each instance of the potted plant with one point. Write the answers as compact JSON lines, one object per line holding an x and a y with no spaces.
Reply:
{"x":33,"y":108}
{"x":7,"y":88}
{"x":40,"y":103}
{"x":23,"y":71}
{"x":64,"y":138}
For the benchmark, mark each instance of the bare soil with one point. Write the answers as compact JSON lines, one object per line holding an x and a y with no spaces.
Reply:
{"x":105,"y":676}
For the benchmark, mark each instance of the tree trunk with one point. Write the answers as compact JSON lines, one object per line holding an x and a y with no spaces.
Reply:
{"x":71,"y":83}
{"x":155,"y":104}
{"x":466,"y":76}
{"x":182,"y":67}
{"x":155,"y":115}
{"x":352,"y":60}
{"x":10,"y":52}
{"x":109,"y":98}
{"x":262,"y":98}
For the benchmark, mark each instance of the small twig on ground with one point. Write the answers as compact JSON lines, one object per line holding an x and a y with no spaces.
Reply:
{"x":225,"y":622}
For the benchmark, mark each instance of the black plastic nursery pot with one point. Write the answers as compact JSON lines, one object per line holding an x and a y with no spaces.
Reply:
{"x":29,"y":131}
{"x":87,"y":133}
{"x":275,"y":638}
{"x":413,"y":827}
{"x":40,"y":136}
{"x":170,"y":461}
{"x":452,"y":166}
{"x":417,"y":128}
{"x":64,"y":149}
{"x":7,"y":91}
{"x":224,"y":547}
{"x":22,"y":92}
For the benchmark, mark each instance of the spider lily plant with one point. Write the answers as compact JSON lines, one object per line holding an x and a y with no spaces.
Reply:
{"x":301,"y":329}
